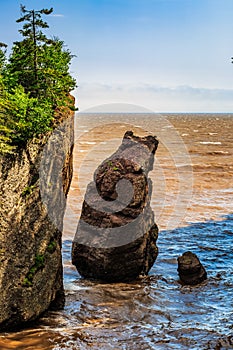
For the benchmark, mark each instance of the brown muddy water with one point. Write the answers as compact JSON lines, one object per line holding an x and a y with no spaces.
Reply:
{"x":193,"y":204}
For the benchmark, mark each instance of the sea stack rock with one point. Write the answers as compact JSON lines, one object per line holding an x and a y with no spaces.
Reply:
{"x":116,"y":234}
{"x":190,"y":269}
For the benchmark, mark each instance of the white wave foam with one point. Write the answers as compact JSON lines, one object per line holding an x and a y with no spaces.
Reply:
{"x":210,"y":142}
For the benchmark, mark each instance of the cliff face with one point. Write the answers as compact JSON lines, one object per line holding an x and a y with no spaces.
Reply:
{"x":31,"y":278}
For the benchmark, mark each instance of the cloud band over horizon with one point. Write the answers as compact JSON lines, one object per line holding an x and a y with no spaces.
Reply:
{"x":157,"y":98}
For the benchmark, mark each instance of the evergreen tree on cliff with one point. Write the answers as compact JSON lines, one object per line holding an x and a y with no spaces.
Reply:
{"x":24,"y":59}
{"x":39,"y":64}
{"x":35,"y":82}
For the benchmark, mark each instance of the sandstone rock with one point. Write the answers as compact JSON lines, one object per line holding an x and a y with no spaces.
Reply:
{"x":190,"y":269}
{"x":31,"y":275}
{"x":116,"y":235}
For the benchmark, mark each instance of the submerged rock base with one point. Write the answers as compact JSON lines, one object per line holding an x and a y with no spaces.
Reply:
{"x":116,"y":235}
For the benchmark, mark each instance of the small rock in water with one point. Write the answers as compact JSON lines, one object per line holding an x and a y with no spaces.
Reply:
{"x":190,"y":269}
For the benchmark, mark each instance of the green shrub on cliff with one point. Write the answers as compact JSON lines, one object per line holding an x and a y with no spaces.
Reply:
{"x":30,"y":117}
{"x":34,"y":82}
{"x":6,"y":131}
{"x":21,"y":117}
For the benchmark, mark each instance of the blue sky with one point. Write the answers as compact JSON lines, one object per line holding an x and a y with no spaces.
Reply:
{"x":165,"y":55}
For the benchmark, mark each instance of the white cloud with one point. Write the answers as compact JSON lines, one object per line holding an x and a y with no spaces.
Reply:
{"x":156,"y":98}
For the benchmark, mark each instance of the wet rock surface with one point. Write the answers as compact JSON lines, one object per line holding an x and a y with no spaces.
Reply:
{"x":190,"y":269}
{"x":116,"y":235}
{"x":31,"y":273}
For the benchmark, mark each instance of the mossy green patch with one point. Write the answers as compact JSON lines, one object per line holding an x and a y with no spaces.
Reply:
{"x":27,"y":190}
{"x":38,"y":265}
{"x":51,"y":246}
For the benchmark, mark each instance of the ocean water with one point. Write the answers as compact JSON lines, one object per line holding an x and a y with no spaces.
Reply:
{"x":193,"y":204}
